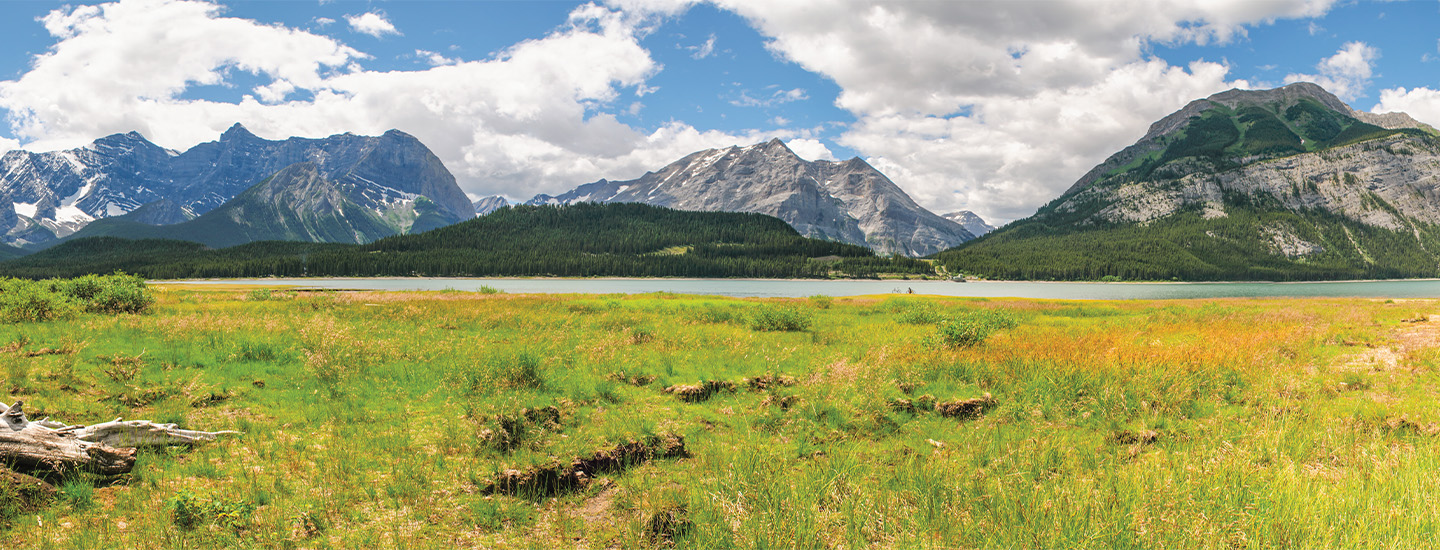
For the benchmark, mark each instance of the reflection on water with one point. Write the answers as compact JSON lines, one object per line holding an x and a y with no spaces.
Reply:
{"x":800,"y":288}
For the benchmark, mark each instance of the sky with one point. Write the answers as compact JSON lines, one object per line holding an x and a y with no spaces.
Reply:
{"x":993,"y":106}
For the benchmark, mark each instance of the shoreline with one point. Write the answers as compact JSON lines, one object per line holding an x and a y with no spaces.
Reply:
{"x":876,"y":281}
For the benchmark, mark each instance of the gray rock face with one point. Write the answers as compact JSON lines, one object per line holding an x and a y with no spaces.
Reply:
{"x":1288,"y":94}
{"x":1391,"y":182}
{"x":970,"y":221}
{"x":489,"y":204}
{"x":1401,"y":170}
{"x":846,"y":201}
{"x":64,"y":190}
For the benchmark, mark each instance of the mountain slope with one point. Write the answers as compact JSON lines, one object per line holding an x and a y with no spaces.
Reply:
{"x":579,"y":241}
{"x":489,"y":204}
{"x":60,"y":192}
{"x":296,"y":204}
{"x":846,"y":201}
{"x":1277,"y":184}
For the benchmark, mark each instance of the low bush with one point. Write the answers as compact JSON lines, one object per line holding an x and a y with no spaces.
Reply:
{"x":27,"y":301}
{"x":780,"y":319}
{"x":971,"y":328}
{"x":116,"y":293}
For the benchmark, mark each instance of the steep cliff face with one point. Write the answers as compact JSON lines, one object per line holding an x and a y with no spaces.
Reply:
{"x":1287,"y":183}
{"x":63,"y":191}
{"x":846,"y":201}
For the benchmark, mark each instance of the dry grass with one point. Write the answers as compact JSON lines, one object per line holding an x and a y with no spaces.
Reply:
{"x":1185,"y":424}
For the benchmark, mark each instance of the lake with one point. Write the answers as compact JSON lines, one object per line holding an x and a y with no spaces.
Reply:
{"x":800,"y":288}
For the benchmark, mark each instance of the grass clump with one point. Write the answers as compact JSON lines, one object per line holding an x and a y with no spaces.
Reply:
{"x":971,"y":328}
{"x":190,"y":510}
{"x":770,"y":318}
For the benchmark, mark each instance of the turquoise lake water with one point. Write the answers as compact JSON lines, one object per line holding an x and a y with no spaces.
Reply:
{"x":800,"y":288}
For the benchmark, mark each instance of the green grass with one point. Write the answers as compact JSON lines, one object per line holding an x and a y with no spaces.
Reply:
{"x":364,"y":419}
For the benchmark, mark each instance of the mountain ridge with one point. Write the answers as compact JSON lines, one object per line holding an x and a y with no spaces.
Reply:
{"x":55,"y":194}
{"x":847,"y":201}
{"x":1272,"y":184}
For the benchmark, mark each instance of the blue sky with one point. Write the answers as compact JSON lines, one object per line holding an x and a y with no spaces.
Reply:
{"x":990,"y":105}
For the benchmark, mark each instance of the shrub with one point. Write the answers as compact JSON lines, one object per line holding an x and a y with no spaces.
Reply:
{"x":971,"y":328}
{"x":23,"y":300}
{"x":486,"y":289}
{"x":116,"y":293}
{"x":780,"y":319}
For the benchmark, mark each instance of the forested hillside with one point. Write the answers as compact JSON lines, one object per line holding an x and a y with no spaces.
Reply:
{"x":583,"y":240}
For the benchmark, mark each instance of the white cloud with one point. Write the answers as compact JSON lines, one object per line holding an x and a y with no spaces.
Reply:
{"x":775,"y":97}
{"x":122,"y":66}
{"x":998,"y":107}
{"x":536,"y":118}
{"x":1421,"y":103}
{"x":704,"y":50}
{"x":1345,"y":74}
{"x":324,"y":21}
{"x":7,"y":145}
{"x":434,"y":59}
{"x":372,"y":23}
{"x":810,"y":149}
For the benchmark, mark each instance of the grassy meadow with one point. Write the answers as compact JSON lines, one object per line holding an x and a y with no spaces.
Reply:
{"x":384,"y":420}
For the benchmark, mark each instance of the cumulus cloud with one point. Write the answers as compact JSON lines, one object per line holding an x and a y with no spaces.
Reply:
{"x":122,"y":66}
{"x":7,"y":145}
{"x":1421,"y":103}
{"x":1346,"y":74}
{"x":999,"y":106}
{"x":810,"y":149}
{"x":371,"y":23}
{"x":535,"y":118}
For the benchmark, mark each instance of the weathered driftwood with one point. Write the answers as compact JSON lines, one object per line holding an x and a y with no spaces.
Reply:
{"x":106,"y":448}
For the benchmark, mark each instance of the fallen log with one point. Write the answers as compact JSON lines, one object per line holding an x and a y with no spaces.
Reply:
{"x":107,"y":448}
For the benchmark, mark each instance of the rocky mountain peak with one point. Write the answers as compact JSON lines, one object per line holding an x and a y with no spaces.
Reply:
{"x":844,"y":201}
{"x":1283,"y":96}
{"x":237,"y":131}
{"x":63,"y":191}
{"x":489,"y":204}
{"x":971,"y":221}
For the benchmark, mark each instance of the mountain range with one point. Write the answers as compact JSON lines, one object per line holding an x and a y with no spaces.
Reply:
{"x":848,"y":201}
{"x":1288,"y":183}
{"x":378,"y":181}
